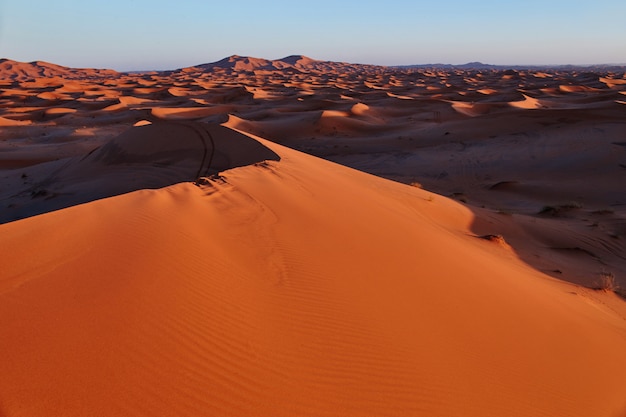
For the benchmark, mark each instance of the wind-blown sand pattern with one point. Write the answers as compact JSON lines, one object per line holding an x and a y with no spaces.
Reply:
{"x":180,"y":267}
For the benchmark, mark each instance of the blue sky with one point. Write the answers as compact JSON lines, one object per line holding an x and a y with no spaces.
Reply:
{"x":158,"y":34}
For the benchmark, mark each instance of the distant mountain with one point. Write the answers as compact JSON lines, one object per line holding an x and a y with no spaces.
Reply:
{"x":301,"y":63}
{"x":240,"y":63}
{"x":469,"y":65}
{"x":24,"y":71}
{"x":294,"y":63}
{"x":482,"y":66}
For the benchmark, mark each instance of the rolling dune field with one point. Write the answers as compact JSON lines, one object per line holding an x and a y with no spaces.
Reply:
{"x":296,"y":237}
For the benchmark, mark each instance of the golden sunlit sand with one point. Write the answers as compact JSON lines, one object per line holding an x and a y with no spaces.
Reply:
{"x":173,"y":244}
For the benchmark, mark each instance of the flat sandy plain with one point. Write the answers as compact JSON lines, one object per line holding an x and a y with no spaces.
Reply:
{"x":307,"y":238}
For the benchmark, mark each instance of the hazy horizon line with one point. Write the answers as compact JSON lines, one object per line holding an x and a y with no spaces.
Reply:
{"x":429,"y":64}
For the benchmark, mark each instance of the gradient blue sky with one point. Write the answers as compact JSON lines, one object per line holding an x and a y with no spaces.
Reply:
{"x":158,"y":34}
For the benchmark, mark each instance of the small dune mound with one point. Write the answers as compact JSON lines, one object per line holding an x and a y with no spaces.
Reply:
{"x":53,"y":96}
{"x":578,"y":89}
{"x":527,"y":103}
{"x":11,"y":122}
{"x":334,"y":113}
{"x":504,"y":186}
{"x":151,"y":156}
{"x":187,"y":113}
{"x":561,"y":210}
{"x":126,"y":102}
{"x":59,"y":111}
{"x":225,"y":95}
{"x":360,"y":109}
{"x":613,"y":82}
{"x":475,"y":109}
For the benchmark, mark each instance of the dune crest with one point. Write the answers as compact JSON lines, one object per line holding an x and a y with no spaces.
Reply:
{"x":150,"y":156}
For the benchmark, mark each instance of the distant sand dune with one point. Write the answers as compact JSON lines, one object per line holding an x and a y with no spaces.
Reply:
{"x":11,"y":122}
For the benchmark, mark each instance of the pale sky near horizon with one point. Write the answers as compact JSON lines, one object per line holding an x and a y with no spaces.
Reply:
{"x":159,"y":34}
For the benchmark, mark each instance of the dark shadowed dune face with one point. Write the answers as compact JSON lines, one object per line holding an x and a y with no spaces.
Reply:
{"x":146,"y":157}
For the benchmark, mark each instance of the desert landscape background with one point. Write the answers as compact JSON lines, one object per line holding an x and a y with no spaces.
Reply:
{"x":539,"y":154}
{"x":304,"y":237}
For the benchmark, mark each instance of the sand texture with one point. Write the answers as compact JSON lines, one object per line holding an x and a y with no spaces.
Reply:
{"x":198,"y":242}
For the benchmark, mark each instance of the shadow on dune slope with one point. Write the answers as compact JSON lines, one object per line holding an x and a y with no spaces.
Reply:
{"x":152,"y":156}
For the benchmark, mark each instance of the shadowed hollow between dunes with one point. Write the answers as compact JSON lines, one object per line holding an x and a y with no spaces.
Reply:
{"x":145,"y":157}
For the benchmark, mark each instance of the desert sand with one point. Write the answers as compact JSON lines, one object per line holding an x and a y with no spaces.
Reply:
{"x":306,"y":238}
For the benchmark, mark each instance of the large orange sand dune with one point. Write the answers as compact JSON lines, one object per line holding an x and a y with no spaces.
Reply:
{"x":293,"y":287}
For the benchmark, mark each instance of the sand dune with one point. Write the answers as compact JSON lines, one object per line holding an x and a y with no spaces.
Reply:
{"x":12,"y":122}
{"x":22,"y":71}
{"x":183,"y":267}
{"x":528,"y":103}
{"x":153,"y":156}
{"x":285,"y":288}
{"x":415,"y":122}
